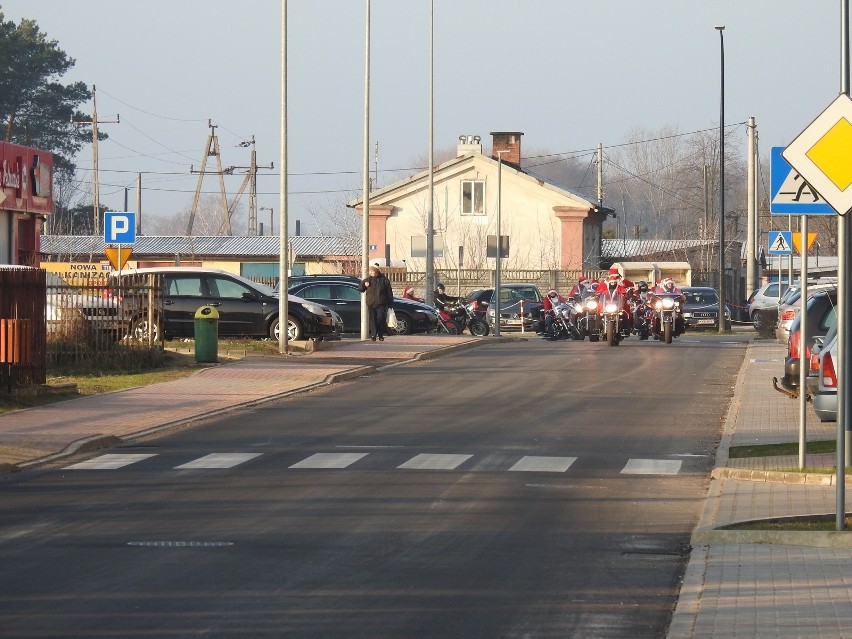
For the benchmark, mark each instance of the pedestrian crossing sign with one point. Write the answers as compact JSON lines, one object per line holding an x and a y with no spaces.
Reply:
{"x":791,"y":194}
{"x":780,"y":242}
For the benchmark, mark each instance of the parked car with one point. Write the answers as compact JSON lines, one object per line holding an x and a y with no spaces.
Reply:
{"x":701,"y":309}
{"x":246,"y":308}
{"x":824,"y":395}
{"x":763,"y":306}
{"x":821,"y":316}
{"x":520,"y":306}
{"x":790,"y":305}
{"x":344,"y":297}
{"x":65,"y":303}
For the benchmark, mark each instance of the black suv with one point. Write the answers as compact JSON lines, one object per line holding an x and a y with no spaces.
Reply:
{"x":246,"y":308}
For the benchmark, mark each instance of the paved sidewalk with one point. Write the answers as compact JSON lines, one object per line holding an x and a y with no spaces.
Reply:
{"x":759,"y":584}
{"x":36,"y":435}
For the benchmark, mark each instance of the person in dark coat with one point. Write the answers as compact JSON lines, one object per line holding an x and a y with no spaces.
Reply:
{"x":379,"y":295}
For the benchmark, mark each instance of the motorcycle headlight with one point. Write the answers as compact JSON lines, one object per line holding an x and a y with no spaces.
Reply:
{"x":591,"y":304}
{"x":578,"y":308}
{"x":668,"y":303}
{"x":658,"y":305}
{"x":611,"y":307}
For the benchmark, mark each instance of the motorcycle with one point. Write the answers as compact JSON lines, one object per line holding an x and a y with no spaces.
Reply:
{"x":667,"y":311}
{"x":585,"y":319}
{"x":642,"y":316}
{"x":561,"y":326}
{"x":476,"y":322}
{"x":447,"y":323}
{"x":611,"y":316}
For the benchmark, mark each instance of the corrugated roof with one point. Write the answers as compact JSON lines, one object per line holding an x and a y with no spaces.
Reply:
{"x":211,"y":246}
{"x":623,"y":248}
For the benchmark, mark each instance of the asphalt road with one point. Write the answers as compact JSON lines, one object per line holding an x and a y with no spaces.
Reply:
{"x":520,"y":490}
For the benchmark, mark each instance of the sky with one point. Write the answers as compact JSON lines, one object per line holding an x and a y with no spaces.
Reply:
{"x":569,"y":74}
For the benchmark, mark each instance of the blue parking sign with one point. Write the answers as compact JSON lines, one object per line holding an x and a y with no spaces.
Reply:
{"x":119,"y":227}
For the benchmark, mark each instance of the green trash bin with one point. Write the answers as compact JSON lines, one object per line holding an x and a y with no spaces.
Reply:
{"x":206,"y":334}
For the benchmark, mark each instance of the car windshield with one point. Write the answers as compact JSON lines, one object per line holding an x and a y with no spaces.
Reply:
{"x":701,"y":297}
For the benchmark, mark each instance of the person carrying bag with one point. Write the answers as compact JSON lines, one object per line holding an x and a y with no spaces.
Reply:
{"x":379,"y":298}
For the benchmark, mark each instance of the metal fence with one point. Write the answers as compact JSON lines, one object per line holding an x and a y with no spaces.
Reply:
{"x":22,"y":327}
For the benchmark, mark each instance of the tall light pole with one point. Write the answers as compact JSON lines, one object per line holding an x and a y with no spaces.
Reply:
{"x":430,"y":207}
{"x":365,"y":186}
{"x":721,"y":29}
{"x":283,"y":252}
{"x":499,"y":245}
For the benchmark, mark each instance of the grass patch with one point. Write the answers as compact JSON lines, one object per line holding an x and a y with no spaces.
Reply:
{"x":812,"y":523}
{"x":792,"y":448}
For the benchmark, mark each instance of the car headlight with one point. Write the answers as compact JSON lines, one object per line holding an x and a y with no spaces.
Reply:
{"x":611,"y":307}
{"x":687,"y":315}
{"x":316,"y":309}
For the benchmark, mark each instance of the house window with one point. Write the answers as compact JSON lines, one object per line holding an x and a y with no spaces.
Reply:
{"x":473,"y":197}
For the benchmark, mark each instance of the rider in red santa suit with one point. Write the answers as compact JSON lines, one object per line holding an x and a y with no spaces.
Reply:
{"x":580,"y":289}
{"x":613,"y":290}
{"x":667,"y":285}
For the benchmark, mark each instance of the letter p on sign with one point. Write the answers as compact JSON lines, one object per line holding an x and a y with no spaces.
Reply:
{"x":119,"y":227}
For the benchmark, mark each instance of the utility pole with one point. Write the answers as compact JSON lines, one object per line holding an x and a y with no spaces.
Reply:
{"x":600,"y":174}
{"x":752,"y":185}
{"x":250,"y":180}
{"x":138,"y":204}
{"x":212,"y":148}
{"x":96,"y":189}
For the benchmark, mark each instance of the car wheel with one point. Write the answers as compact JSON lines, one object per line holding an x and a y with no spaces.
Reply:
{"x":403,"y":324}
{"x":294,"y":329}
{"x":139,"y":330}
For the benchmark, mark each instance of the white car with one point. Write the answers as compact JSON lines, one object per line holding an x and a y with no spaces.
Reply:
{"x":825,"y":397}
{"x":763,"y":306}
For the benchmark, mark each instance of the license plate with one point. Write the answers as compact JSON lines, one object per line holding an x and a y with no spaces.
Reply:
{"x":706,"y":321}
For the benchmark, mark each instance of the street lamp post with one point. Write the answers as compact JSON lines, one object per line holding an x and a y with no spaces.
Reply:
{"x":721,"y":29}
{"x":499,"y":245}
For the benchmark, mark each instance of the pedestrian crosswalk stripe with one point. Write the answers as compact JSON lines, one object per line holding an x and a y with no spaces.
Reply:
{"x":652,"y":467}
{"x":533,"y":464}
{"x":329,"y":460}
{"x":427,"y":461}
{"x":423,"y":461}
{"x":219,"y":460}
{"x":109,"y":462}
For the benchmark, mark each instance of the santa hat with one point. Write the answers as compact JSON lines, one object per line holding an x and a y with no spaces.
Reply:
{"x":614,"y":274}
{"x":582,"y":279}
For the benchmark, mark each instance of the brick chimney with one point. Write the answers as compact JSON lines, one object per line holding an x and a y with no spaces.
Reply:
{"x":507,"y":141}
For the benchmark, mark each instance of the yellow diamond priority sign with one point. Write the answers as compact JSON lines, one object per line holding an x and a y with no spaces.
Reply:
{"x":822,"y":154}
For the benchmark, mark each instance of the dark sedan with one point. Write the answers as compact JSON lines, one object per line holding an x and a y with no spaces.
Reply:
{"x":245,"y":308}
{"x":345,"y":298}
{"x":520,"y":306}
{"x":701,"y":309}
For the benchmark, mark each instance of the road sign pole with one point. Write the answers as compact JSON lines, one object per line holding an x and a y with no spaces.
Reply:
{"x":804,"y":360}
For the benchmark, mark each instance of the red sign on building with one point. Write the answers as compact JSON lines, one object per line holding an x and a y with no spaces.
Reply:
{"x":26,"y":199}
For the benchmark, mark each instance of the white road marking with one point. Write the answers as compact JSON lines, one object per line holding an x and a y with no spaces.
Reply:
{"x":329,"y":460}
{"x":110,"y":462}
{"x":652,"y":467}
{"x":427,"y":461}
{"x":532,"y":464}
{"x":219,"y":460}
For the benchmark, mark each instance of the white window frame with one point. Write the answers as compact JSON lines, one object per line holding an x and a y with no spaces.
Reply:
{"x":472,"y":206}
